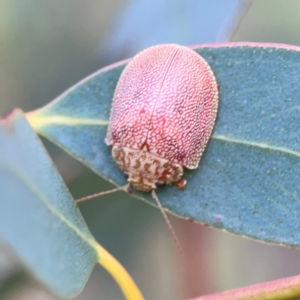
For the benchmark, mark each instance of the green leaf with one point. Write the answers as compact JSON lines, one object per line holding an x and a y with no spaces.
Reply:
{"x":247,"y":182}
{"x":38,"y":216}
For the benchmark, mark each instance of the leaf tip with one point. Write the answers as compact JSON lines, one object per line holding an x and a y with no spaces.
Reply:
{"x":7,"y":117}
{"x":8,"y":120}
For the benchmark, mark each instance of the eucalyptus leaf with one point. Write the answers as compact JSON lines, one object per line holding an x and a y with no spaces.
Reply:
{"x":247,"y":182}
{"x":38,"y":217}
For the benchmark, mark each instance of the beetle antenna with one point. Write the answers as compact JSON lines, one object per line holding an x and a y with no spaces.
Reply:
{"x":154,"y":196}
{"x":120,"y":188}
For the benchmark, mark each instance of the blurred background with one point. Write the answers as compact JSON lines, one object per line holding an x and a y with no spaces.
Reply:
{"x":46,"y":47}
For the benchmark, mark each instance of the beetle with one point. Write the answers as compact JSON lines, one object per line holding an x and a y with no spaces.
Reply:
{"x":162,"y":115}
{"x":163,"y":112}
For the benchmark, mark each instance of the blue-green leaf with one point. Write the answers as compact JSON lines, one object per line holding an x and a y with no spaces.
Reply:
{"x":247,"y":181}
{"x":38,"y":216}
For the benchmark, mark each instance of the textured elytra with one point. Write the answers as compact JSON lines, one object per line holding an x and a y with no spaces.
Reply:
{"x":166,"y":99}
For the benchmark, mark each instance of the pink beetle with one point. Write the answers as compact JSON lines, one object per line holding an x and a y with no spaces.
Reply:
{"x":163,"y":113}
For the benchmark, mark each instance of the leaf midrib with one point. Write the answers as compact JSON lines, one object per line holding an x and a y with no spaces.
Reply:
{"x":38,"y":122}
{"x":34,"y":188}
{"x":284,"y":150}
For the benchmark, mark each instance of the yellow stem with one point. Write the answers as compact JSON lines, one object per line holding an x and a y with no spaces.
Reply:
{"x":117,"y":271}
{"x":38,"y":121}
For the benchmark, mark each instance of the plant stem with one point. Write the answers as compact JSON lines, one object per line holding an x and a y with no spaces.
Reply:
{"x":282,"y":289}
{"x":117,"y":271}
